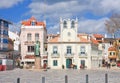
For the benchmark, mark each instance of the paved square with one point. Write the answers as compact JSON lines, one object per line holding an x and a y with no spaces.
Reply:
{"x":58,"y":76}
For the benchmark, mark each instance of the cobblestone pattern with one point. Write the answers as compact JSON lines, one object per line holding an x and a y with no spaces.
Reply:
{"x":58,"y":76}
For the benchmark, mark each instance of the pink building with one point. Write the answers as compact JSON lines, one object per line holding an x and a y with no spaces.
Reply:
{"x":32,"y":31}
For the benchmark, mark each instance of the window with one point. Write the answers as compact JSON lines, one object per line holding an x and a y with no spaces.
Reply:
{"x":5,"y":24}
{"x":29,"y":36}
{"x":0,"y":23}
{"x":55,"y":49}
{"x":55,"y":62}
{"x":103,"y":46}
{"x":112,"y":53}
{"x":1,"y":31}
{"x":1,"y":40}
{"x":82,"y":49}
{"x":65,"y":24}
{"x":5,"y":40}
{"x":30,"y":48}
{"x":83,"y":63}
{"x":5,"y":32}
{"x":0,"y":62}
{"x":33,"y":23}
{"x":98,"y":38}
{"x":69,"y":50}
{"x":111,"y":43}
{"x":72,"y":24}
{"x":36,"y":36}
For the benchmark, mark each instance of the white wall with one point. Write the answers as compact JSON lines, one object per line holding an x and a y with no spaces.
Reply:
{"x":15,"y":37}
{"x":62,"y":59}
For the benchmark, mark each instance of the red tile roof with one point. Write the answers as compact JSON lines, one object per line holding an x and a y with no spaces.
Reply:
{"x":55,"y":39}
{"x":111,"y":48}
{"x":94,"y":41}
{"x":98,"y":36}
{"x":28,"y":22}
{"x":81,"y":39}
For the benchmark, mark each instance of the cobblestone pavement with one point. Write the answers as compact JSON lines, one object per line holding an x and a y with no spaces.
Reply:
{"x":58,"y":76}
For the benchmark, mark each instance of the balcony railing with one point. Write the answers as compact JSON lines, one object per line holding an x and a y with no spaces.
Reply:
{"x":29,"y":42}
{"x":67,"y":55}
{"x":83,"y":55}
{"x":55,"y":55}
{"x":29,"y":53}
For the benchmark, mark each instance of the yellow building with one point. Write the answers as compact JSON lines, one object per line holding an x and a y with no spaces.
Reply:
{"x":112,"y":55}
{"x":114,"y":51}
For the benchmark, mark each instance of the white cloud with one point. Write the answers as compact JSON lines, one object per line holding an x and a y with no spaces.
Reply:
{"x":92,"y":26}
{"x":110,"y":5}
{"x":15,"y":27}
{"x":85,"y":26}
{"x":106,"y":6}
{"x":75,"y":8}
{"x":8,"y":3}
{"x":53,"y":29}
{"x":61,"y":9}
{"x":72,"y":7}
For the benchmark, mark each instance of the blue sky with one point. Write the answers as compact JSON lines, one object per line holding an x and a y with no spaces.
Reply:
{"x":91,"y":14}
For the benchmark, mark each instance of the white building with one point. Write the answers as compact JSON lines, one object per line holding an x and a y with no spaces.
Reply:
{"x":108,"y":42}
{"x":16,"y":39}
{"x":32,"y":31}
{"x":70,"y":48}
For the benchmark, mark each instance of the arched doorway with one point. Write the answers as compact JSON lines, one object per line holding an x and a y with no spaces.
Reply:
{"x":68,"y":63}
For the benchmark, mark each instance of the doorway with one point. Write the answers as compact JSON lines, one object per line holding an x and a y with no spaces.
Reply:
{"x":82,"y":63}
{"x":68,"y":63}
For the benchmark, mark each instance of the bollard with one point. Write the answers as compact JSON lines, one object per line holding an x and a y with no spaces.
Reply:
{"x":106,"y":78}
{"x":87,"y":78}
{"x":43,"y":79}
{"x":66,"y":79}
{"x":18,"y":80}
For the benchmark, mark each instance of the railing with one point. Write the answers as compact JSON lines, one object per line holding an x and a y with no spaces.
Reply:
{"x":29,"y":53}
{"x":67,"y":55}
{"x":55,"y":55}
{"x":66,"y":79}
{"x":29,"y":42}
{"x":83,"y":55}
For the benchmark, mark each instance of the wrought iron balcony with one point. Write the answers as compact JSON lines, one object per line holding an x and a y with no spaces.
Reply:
{"x":68,"y":55}
{"x":83,"y":55}
{"x":55,"y":55}
{"x":29,"y":42}
{"x":29,"y":53}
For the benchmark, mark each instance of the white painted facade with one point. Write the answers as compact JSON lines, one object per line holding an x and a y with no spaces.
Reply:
{"x":15,"y":37}
{"x":28,"y":43}
{"x":71,"y":48}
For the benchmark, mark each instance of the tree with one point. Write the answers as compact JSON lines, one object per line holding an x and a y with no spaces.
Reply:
{"x":113,"y":25}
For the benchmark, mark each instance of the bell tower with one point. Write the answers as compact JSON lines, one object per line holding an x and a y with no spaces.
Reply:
{"x":68,"y":30}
